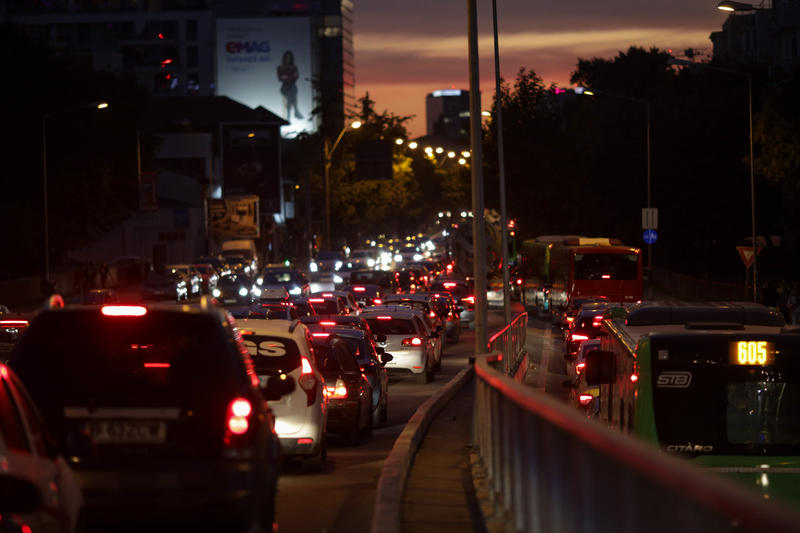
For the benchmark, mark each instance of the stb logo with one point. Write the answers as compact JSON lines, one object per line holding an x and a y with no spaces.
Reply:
{"x":248,"y":47}
{"x":674,"y":380}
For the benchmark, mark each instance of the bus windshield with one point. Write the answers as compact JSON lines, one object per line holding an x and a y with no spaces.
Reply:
{"x":737,"y":408}
{"x":600,"y":266}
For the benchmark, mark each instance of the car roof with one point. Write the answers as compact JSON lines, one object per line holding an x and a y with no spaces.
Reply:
{"x":397,"y":311}
{"x":288,"y":329}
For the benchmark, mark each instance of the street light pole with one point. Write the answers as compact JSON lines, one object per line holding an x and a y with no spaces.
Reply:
{"x":328,"y":152}
{"x":501,"y":169}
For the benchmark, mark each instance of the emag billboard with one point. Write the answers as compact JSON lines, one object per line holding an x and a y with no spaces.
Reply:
{"x":267,"y":62}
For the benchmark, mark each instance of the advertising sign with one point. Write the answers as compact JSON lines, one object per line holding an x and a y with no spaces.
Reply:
{"x":267,"y":62}
{"x":234,"y":217}
{"x":251,"y":162}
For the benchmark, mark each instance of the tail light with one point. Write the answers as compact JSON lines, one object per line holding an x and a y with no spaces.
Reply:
{"x":13,"y":323}
{"x":338,"y":391}
{"x":470,"y":300}
{"x":579,"y":367}
{"x":578,"y":337}
{"x":449,"y":284}
{"x":634,"y":378}
{"x":570,"y":319}
{"x":519,"y":281}
{"x":237,"y":421}
{"x":307,"y":381}
{"x":432,"y":314}
{"x":384,"y":318}
{"x":321,"y":335}
{"x":377,"y":301}
{"x":606,"y":276}
{"x":585,"y":399}
{"x":413,"y":341}
{"x":123,"y":310}
{"x":359,"y":289}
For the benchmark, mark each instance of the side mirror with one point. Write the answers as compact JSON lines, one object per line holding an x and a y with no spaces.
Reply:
{"x":386,"y":357}
{"x":18,"y":496}
{"x":276,"y":388}
{"x":601,"y":367}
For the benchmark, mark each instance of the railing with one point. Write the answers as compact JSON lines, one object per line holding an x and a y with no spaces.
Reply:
{"x":547,"y":468}
{"x":510,"y":341}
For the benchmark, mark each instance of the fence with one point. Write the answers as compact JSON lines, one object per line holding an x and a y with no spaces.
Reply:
{"x":510,"y":341}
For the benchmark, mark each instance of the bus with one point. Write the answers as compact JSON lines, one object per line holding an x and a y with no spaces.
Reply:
{"x":717,"y":383}
{"x":557,"y":268}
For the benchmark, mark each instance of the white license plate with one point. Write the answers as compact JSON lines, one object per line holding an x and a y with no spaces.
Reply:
{"x":128,"y":431}
{"x":229,"y":300}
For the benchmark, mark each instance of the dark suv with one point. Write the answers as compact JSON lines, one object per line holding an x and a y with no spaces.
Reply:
{"x":158,"y":410}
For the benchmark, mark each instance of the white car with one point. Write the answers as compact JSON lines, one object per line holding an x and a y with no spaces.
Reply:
{"x":282,"y":348}
{"x":41,"y":478}
{"x":401,"y":332}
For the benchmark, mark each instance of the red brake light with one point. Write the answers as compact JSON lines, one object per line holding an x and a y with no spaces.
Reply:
{"x":606,"y":276}
{"x":579,"y":367}
{"x":384,"y":318}
{"x":324,"y":335}
{"x":305,"y":441}
{"x":3,"y":372}
{"x":578,"y":337}
{"x":634,"y":378}
{"x":470,"y":299}
{"x":338,"y":391}
{"x":327,"y":295}
{"x":413,"y":341}
{"x":570,"y":319}
{"x":238,"y":419}
{"x":519,"y":282}
{"x":327,"y":323}
{"x":432,"y":314}
{"x":306,"y":366}
{"x":359,"y":289}
{"x":377,"y":301}
{"x":13,"y":323}
{"x":317,"y":300}
{"x":449,"y":285}
{"x":123,"y":310}
{"x":585,"y":399}
{"x":156,"y":365}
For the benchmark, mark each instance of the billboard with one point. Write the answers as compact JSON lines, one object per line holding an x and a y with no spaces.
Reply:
{"x":251,"y":162}
{"x":267,"y":62}
{"x":233,"y":217}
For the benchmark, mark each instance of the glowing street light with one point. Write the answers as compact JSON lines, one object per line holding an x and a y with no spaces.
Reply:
{"x":413,"y":145}
{"x":328,"y":161}
{"x":728,"y":5}
{"x":439,"y":149}
{"x":398,"y":141}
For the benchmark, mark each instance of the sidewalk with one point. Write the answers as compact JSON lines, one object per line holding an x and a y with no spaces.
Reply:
{"x":439,"y":495}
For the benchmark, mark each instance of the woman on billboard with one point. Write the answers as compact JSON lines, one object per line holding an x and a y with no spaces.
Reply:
{"x":287,"y":74}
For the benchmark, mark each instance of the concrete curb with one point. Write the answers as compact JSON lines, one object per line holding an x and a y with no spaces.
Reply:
{"x":394,"y":474}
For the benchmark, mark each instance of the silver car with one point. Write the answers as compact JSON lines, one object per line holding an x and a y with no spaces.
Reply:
{"x":401,"y":332}
{"x":282,"y":347}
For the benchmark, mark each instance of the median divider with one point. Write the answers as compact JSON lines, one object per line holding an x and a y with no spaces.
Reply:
{"x":386,"y":517}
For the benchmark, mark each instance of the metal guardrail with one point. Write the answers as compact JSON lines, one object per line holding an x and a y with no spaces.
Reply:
{"x":548,"y":468}
{"x":510,"y":341}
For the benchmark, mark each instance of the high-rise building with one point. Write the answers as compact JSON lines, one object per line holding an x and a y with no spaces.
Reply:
{"x":447,"y":114}
{"x":171,"y":46}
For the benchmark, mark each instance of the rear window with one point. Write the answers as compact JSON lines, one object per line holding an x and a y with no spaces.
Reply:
{"x":271,"y":354}
{"x":327,"y":307}
{"x":335,"y":358}
{"x":395,"y":326}
{"x":458,"y":290}
{"x":162,"y":358}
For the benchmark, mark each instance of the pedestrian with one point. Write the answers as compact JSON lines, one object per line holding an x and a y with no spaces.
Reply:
{"x":103,"y":271}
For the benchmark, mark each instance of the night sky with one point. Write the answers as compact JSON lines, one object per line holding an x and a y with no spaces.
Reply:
{"x":405,"y":49}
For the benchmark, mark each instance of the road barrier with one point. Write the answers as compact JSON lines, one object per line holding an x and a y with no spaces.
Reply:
{"x":548,"y":468}
{"x":510,"y":342}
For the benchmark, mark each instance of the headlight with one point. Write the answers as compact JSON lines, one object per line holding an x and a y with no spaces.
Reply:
{"x":370,"y":262}
{"x":243,"y":291}
{"x":418,"y":257}
{"x":296,"y":290}
{"x":256,"y":291}
{"x":338,"y":265}
{"x":216,"y":293}
{"x":398,"y":258}
{"x":337,"y":278}
{"x":260,"y":281}
{"x":312,"y":266}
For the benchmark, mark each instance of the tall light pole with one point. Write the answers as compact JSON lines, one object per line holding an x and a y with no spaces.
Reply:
{"x":501,"y":168}
{"x":683,"y":62}
{"x":94,"y":105}
{"x":478,"y":220}
{"x":592,"y":92}
{"x":328,"y":162}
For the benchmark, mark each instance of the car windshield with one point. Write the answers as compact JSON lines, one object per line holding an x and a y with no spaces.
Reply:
{"x":279,"y":278}
{"x":605,"y":266}
{"x":392,"y":326}
{"x":85,"y":358}
{"x":232,"y":281}
{"x":272,"y":354}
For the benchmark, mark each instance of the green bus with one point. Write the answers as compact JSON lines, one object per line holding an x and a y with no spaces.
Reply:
{"x":717,"y":383}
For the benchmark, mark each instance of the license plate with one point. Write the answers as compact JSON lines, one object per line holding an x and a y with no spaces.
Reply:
{"x":128,"y":431}
{"x":229,"y":300}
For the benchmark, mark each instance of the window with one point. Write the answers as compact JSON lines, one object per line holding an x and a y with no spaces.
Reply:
{"x":191,"y":30}
{"x":191,"y":56}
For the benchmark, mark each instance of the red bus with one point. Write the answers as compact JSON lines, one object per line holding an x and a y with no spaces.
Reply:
{"x":556,"y":270}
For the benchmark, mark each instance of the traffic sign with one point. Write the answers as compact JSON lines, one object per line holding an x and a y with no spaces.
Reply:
{"x":746,"y":253}
{"x":649,"y":218}
{"x":649,"y":236}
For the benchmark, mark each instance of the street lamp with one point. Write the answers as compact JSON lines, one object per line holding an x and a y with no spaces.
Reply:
{"x":328,"y":154}
{"x":683,"y":62}
{"x":93,"y":105}
{"x":728,"y":5}
{"x":647,"y":107}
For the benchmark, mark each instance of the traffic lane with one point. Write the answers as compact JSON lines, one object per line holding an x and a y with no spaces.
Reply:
{"x":342,"y":495}
{"x":547,"y":367}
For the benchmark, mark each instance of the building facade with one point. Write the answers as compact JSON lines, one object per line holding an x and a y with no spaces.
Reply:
{"x":447,"y":114}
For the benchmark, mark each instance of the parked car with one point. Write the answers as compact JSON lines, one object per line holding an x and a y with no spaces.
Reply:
{"x":160,"y":410}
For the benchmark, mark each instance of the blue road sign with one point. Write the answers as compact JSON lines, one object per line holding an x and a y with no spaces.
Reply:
{"x":649,"y":236}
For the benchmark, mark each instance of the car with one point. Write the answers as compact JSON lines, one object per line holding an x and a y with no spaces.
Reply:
{"x":327,"y":261}
{"x":164,"y":284}
{"x":350,"y":303}
{"x":348,"y":390}
{"x":270,"y":293}
{"x":583,"y":396}
{"x":365,"y":294}
{"x":11,"y":327}
{"x":283,"y":347}
{"x":424,"y":304}
{"x":328,"y":305}
{"x":293,"y":280}
{"x":573,"y":306}
{"x":33,"y":468}
{"x":273,"y":311}
{"x":160,"y":411}
{"x":194,"y":281}
{"x":364,"y":258}
{"x":234,"y":289}
{"x":384,"y":279}
{"x":586,"y":326}
{"x":301,"y":305}
{"x":463,"y":292}
{"x":208,"y":276}
{"x":407,"y":281}
{"x":371,"y":363}
{"x":219,"y":263}
{"x":444,"y":305}
{"x":400,"y":331}
{"x":352,"y":321}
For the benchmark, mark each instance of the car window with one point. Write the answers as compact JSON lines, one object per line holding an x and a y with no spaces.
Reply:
{"x":271,"y":353}
{"x":11,"y":421}
{"x":421,"y":325}
{"x":325,"y":307}
{"x":345,"y":357}
{"x":360,"y":349}
{"x":394,"y":326}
